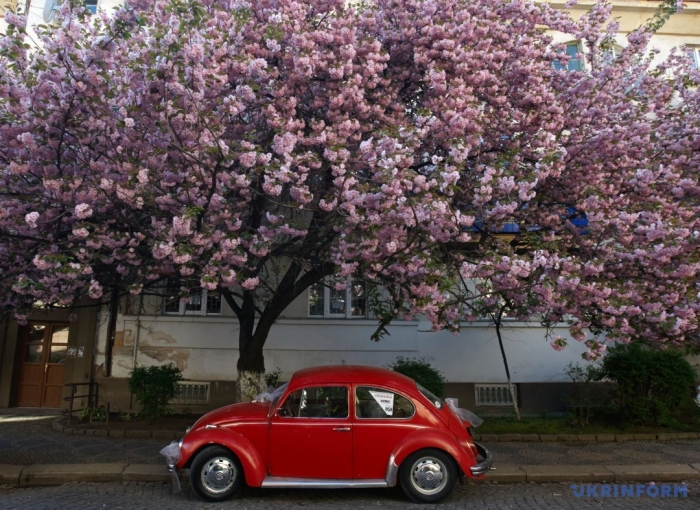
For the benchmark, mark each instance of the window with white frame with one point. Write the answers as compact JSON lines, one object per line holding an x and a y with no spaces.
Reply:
{"x":495,"y":395}
{"x":327,"y":301}
{"x":694,"y":53}
{"x":575,"y":53}
{"x":91,"y":5}
{"x":179,"y":300}
{"x":611,"y":53}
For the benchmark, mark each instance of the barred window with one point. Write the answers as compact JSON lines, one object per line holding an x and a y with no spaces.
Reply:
{"x":181,"y":300}
{"x":327,"y":301}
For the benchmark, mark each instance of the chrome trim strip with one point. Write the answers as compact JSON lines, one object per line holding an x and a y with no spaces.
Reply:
{"x":392,"y":472}
{"x":482,"y":467}
{"x":280,"y":482}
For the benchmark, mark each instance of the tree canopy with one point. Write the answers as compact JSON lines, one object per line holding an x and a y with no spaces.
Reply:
{"x":256,"y":148}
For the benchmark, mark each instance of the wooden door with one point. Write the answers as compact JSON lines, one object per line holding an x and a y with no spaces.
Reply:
{"x":44,"y":353}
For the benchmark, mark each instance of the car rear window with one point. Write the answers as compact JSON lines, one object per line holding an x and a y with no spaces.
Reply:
{"x":371,"y":402}
{"x":436,"y":401}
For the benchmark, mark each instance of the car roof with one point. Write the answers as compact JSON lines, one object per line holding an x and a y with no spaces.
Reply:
{"x":352,"y":374}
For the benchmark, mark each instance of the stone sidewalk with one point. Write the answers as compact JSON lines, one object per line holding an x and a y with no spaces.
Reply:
{"x":33,"y":453}
{"x":56,"y":474}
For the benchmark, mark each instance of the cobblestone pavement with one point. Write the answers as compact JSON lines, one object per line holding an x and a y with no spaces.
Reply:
{"x":29,"y":439}
{"x":637,"y":452}
{"x":26,"y":437}
{"x":139,"y":495}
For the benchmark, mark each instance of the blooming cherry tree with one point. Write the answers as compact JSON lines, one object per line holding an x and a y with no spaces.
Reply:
{"x":256,"y":148}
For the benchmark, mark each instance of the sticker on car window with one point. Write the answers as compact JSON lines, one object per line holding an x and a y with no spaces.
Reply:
{"x":385,"y":400}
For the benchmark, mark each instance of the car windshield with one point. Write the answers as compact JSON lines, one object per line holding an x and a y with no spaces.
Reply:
{"x":429,"y":395}
{"x":276,"y":394}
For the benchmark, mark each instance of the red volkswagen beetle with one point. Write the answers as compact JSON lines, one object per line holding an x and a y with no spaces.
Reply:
{"x":334,"y":427}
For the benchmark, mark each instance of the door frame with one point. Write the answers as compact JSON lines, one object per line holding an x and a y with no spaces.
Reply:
{"x":22,"y":337}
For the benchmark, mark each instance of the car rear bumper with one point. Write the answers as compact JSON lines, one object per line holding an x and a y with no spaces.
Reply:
{"x":485,"y":464}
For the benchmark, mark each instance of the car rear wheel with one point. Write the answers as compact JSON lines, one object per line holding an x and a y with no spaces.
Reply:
{"x":428,"y":476}
{"x":216,"y":474}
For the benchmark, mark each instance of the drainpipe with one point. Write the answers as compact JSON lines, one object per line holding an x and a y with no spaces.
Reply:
{"x":95,"y":343}
{"x":136,"y":344}
{"x":3,"y":346}
{"x":111,"y":329}
{"x":138,"y":331}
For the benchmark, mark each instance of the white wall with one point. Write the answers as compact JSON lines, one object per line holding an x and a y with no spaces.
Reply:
{"x":474,"y":355}
{"x":206,"y":348}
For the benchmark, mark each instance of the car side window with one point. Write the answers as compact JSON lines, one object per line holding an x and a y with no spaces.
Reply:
{"x":373,"y":402}
{"x":317,"y":402}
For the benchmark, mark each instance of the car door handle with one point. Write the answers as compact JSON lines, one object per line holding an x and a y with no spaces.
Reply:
{"x":342,"y":429}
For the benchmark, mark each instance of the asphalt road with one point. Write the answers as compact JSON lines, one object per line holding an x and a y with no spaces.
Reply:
{"x":140,"y":495}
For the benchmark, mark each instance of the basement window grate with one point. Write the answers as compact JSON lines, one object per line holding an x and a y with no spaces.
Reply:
{"x":494,"y":395}
{"x":191,"y":392}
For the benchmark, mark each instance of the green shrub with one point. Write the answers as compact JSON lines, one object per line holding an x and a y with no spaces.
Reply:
{"x":153,"y":388}
{"x":650,"y":386}
{"x":582,"y":395}
{"x":421,"y":371}
{"x":93,"y":414}
{"x":273,"y":377}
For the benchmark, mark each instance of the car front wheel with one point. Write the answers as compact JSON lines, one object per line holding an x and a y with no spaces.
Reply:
{"x":215,"y":474}
{"x":428,"y":476}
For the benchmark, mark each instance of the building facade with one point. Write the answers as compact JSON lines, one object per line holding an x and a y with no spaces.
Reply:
{"x":42,"y":362}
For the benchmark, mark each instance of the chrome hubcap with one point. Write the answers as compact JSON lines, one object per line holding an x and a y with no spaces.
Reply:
{"x":218,"y":475}
{"x":428,"y":475}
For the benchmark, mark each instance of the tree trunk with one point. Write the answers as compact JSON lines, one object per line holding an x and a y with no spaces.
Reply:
{"x":252,"y":336}
{"x":251,"y":370}
{"x":251,"y":362}
{"x":249,"y":384}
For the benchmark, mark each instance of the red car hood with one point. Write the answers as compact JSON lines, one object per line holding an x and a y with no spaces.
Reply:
{"x":246,"y":411}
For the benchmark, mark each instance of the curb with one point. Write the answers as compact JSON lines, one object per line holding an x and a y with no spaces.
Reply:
{"x":591,"y":438}
{"x":58,"y":426}
{"x":595,"y":473}
{"x":41,"y":475}
{"x":38,"y":475}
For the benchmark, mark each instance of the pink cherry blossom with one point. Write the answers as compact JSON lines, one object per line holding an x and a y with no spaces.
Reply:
{"x":31,"y":218}
{"x":250,"y":283}
{"x":433,"y":150}
{"x":83,"y":211}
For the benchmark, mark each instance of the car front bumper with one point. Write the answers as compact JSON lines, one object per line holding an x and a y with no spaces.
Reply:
{"x":484,"y":465}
